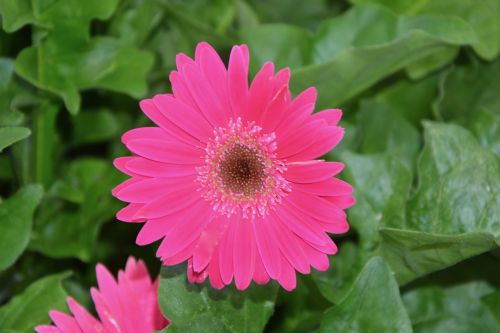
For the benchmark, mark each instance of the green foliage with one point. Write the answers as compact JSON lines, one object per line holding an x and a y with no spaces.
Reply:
{"x":418,"y":82}
{"x":366,"y":308}
{"x":16,"y":219}
{"x":31,"y":307}
{"x":193,"y":308}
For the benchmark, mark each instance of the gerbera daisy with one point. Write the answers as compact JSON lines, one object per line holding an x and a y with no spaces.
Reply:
{"x":229,"y":177}
{"x":129,"y":305}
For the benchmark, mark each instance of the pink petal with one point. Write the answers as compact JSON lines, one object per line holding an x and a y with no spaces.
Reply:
{"x":260,"y":275}
{"x":208,"y":241}
{"x":268,"y":247}
{"x":154,"y":230}
{"x":311,"y":171}
{"x":300,"y":226}
{"x":128,"y":213}
{"x":174,"y":132}
{"x":203,"y":95}
{"x":238,"y":80}
{"x":185,"y":233}
{"x":148,"y":168}
{"x":65,"y":322}
{"x":108,"y":321}
{"x":214,"y":271}
{"x":287,"y":279}
{"x":155,"y":133}
{"x":290,"y":246}
{"x":121,"y":164}
{"x":181,"y":60}
{"x":324,"y":143}
{"x":151,"y":188}
{"x":86,"y":321}
{"x":169,"y":203}
{"x":167,"y":152}
{"x":331,"y":116}
{"x":260,"y":93}
{"x":317,"y":259}
{"x":316,"y":207}
{"x":225,"y":257}
{"x":244,"y":254}
{"x":49,"y":329}
{"x":214,"y":70}
{"x":329,"y":187}
{"x":343,"y":202}
{"x":180,"y":256}
{"x":183,"y":116}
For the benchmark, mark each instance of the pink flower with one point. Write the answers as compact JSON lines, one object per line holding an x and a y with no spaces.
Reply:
{"x":127,"y":306}
{"x":229,"y":178}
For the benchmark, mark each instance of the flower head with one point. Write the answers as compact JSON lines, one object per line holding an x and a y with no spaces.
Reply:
{"x":129,"y":305}
{"x":229,"y":177}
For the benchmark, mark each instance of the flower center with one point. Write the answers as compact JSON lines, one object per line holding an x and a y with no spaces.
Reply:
{"x":242,"y":173}
{"x":241,"y":170}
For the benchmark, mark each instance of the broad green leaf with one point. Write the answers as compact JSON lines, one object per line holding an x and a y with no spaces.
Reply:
{"x":453,"y":309}
{"x":10,"y":135}
{"x":382,"y":129}
{"x":382,"y":186}
{"x":368,"y":43}
{"x":86,"y":183}
{"x":298,"y":311}
{"x":412,"y":100}
{"x":455,"y":211}
{"x":482,"y":16}
{"x":469,"y":96}
{"x":372,"y":305}
{"x":16,"y":218}
{"x":335,"y":282}
{"x":414,"y":253}
{"x":459,"y":184}
{"x":94,"y":125}
{"x":304,"y":13}
{"x":197,"y":308}
{"x":53,"y":13}
{"x":9,"y":116}
{"x":99,"y":63}
{"x":31,"y":307}
{"x":433,"y":62}
{"x":291,"y":45}
{"x":135,"y":20}
{"x":492,"y":301}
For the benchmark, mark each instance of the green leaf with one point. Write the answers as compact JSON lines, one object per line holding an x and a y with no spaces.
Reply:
{"x":368,"y":43}
{"x":10,"y":135}
{"x":53,"y":13}
{"x":196,"y":308}
{"x":382,"y":129}
{"x":291,"y":45}
{"x":86,"y":183}
{"x":492,"y":301}
{"x":9,"y":116}
{"x":469,"y":96}
{"x":372,"y":305}
{"x":453,"y":309}
{"x":100,"y":63}
{"x":482,"y":16}
{"x":382,"y":186}
{"x":455,"y":212}
{"x":16,"y":218}
{"x":433,"y":62}
{"x":31,"y":307}
{"x":335,"y":282}
{"x":91,"y":126}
